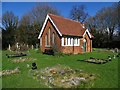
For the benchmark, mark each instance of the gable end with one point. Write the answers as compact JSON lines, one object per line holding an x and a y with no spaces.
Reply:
{"x":45,"y":22}
{"x":86,"y":31}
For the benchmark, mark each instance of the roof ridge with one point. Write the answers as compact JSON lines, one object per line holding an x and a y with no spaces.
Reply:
{"x":64,"y":18}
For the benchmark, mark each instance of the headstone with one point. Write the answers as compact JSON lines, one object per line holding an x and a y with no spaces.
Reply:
{"x":9,"y":48}
{"x":24,"y":44}
{"x":116,"y":50}
{"x":114,"y":57}
{"x":36,"y":46}
{"x":112,"y":51}
{"x":17,"y":45}
{"x":27,"y":45}
{"x":32,"y":47}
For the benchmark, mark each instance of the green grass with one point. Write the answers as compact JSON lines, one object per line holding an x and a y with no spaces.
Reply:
{"x":107,"y":74}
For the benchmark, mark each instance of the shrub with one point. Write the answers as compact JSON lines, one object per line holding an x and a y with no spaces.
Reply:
{"x":58,"y":54}
{"x":56,"y":51}
{"x":118,"y":54}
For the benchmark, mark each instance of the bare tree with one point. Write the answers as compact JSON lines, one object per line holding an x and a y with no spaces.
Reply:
{"x":9,"y":27}
{"x":91,"y":23}
{"x":39,"y":12}
{"x":9,"y":21}
{"x":25,"y":20}
{"x":107,"y":20}
{"x":78,"y":13}
{"x":31,"y":23}
{"x":117,"y":10}
{"x":104,"y":25}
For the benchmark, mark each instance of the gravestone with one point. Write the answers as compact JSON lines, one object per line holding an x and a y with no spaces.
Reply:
{"x":17,"y":45}
{"x":27,"y":46}
{"x":9,"y":48}
{"x":116,"y":50}
{"x":114,"y":56}
{"x":36,"y":47}
{"x":32,"y":47}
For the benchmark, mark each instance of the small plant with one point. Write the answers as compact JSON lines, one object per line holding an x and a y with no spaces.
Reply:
{"x":38,"y":51}
{"x":118,"y":55}
{"x":59,"y":54}
{"x":94,"y":49}
{"x":56,"y":51}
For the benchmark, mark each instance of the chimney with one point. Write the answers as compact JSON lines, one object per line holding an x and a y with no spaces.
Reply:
{"x":83,"y":25}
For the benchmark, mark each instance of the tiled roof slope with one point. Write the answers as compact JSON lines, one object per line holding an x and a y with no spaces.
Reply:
{"x":67,"y":26}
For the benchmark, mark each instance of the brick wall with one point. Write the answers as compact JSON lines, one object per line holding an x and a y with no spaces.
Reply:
{"x":88,"y":43}
{"x":72,"y":49}
{"x":57,"y":37}
{"x":64,"y":49}
{"x":79,"y":49}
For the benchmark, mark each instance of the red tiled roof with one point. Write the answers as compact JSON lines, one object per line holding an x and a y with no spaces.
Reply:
{"x":67,"y":26}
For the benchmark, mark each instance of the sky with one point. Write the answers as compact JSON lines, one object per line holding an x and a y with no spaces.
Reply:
{"x":20,"y":8}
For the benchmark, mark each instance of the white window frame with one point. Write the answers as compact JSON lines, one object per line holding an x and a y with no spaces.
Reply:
{"x":62,"y":41}
{"x":71,"y":41}
{"x":68,"y":41}
{"x":74,"y":41}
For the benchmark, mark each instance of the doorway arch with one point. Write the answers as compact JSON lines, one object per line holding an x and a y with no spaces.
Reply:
{"x":84,"y":45}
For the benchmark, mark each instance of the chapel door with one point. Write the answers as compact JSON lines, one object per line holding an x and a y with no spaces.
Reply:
{"x":84,"y":45}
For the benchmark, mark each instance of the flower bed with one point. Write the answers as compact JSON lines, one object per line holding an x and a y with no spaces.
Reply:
{"x":16,"y":55}
{"x":23,"y":60}
{"x":9,"y":72}
{"x":96,"y":61}
{"x":62,"y":77}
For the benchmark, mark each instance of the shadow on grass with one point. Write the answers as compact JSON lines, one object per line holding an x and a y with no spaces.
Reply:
{"x":81,"y":60}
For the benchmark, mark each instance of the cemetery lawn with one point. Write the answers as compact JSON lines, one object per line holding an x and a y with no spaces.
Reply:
{"x":106,"y":74}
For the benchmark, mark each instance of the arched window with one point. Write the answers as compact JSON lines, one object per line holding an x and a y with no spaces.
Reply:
{"x":41,"y":41}
{"x":49,"y":35}
{"x":46,"y":40}
{"x":53,"y":38}
{"x":84,"y":45}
